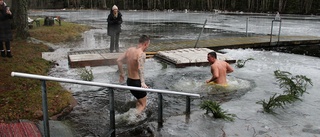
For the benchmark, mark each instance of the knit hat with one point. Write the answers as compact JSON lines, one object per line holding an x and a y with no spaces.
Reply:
{"x":114,"y":7}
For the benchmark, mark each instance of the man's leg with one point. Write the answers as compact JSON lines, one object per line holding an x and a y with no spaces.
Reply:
{"x":141,"y":104}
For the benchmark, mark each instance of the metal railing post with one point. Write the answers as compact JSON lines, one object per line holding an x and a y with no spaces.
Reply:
{"x":280,"y":21}
{"x":279,"y":30}
{"x":188,"y":104}
{"x":112,"y":113}
{"x":205,"y":22}
{"x":247,"y":25}
{"x":271,"y":31}
{"x":45,"y":109}
{"x":160,"y":120}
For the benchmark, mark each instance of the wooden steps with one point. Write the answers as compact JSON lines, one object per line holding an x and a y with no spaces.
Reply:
{"x":19,"y":129}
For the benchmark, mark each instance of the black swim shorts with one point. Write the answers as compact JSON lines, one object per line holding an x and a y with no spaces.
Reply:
{"x":136,"y":83}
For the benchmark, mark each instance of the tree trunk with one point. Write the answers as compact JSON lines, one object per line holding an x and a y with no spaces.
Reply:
{"x":20,"y":18}
{"x":141,"y":4}
{"x":233,"y":4}
{"x":308,"y":6}
{"x":280,"y":5}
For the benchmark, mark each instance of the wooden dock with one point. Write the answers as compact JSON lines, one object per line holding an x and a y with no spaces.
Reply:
{"x":237,"y":42}
{"x":101,"y":57}
{"x":189,"y":57}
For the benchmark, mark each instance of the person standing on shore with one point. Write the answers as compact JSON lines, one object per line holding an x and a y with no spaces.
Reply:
{"x":5,"y":29}
{"x":135,"y":58}
{"x":114,"y":28}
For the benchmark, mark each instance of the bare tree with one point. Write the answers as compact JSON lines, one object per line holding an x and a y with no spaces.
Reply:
{"x":209,"y":4}
{"x":20,"y":18}
{"x":281,"y":2}
{"x":304,"y":6}
{"x":307,"y":5}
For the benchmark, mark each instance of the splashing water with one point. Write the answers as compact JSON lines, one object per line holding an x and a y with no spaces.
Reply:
{"x":131,"y":117}
{"x":200,"y":86}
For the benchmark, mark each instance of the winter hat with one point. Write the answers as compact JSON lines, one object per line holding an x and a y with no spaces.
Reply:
{"x":114,"y":7}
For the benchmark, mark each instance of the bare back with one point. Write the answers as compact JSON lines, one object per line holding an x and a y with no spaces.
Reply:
{"x":132,"y":56}
{"x":220,"y":69}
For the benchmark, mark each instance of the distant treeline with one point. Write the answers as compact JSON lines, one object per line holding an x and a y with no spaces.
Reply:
{"x":283,"y":6}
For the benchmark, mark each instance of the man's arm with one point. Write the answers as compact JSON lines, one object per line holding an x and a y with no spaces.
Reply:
{"x":229,"y":68}
{"x":215,"y":73}
{"x":141,"y":61}
{"x":120,"y":68}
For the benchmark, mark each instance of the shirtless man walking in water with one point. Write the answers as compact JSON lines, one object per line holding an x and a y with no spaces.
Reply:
{"x":219,"y":69}
{"x":135,"y":58}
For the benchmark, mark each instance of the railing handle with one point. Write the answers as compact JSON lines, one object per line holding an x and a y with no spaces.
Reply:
{"x":112,"y":113}
{"x":188,"y":100}
{"x":45,"y":109}
{"x":160,"y":109}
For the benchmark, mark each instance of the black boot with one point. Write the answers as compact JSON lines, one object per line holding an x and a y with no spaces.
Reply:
{"x":3,"y":54}
{"x":9,"y":54}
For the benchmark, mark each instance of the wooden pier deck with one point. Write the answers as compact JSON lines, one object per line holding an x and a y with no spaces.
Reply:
{"x":189,"y":57}
{"x":237,"y":42}
{"x":100,"y":57}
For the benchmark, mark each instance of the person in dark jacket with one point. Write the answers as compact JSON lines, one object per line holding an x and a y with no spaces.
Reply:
{"x":114,"y":28}
{"x":5,"y":29}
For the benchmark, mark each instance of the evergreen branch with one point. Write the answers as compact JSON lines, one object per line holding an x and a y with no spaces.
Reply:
{"x":216,"y":110}
{"x":241,"y":63}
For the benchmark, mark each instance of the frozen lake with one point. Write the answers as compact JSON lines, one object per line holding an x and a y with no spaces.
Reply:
{"x":252,"y":83}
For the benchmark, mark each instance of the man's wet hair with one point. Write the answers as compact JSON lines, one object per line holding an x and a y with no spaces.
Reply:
{"x":213,"y":54}
{"x":144,"y":38}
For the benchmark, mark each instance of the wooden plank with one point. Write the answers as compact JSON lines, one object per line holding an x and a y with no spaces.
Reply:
{"x":111,"y":58}
{"x":188,"y":57}
{"x":82,"y":60}
{"x":19,"y":129}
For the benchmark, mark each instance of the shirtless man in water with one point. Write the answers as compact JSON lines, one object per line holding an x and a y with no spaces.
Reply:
{"x":219,"y":69}
{"x":135,"y":59}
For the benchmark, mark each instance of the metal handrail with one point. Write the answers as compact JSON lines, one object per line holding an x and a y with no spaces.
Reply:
{"x":275,"y":20}
{"x":111,"y":101}
{"x":205,"y":22}
{"x":48,"y":78}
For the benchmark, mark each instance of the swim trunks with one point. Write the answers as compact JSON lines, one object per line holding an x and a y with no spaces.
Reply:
{"x":136,"y":83}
